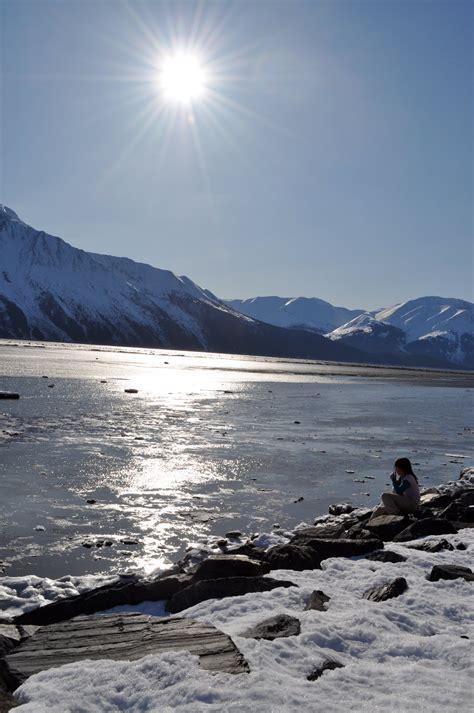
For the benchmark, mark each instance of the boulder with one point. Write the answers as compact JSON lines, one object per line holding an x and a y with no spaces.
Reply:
{"x":363,"y":515}
{"x":334,"y":529}
{"x":460,"y":525}
{"x":292,"y":556}
{"x":276,"y":627}
{"x":432,"y":546}
{"x":219,"y":566}
{"x":342,"y":547}
{"x":248,"y":549}
{"x":458,"y":512}
{"x":121,"y":637}
{"x":328,"y":665}
{"x":422,"y":528}
{"x":450,"y":571}
{"x":9,"y":638}
{"x":421,"y":513}
{"x":7,"y":702}
{"x":387,"y":526}
{"x":341,"y":509}
{"x":467,"y":474}
{"x":465,"y":497}
{"x":111,"y":595}
{"x":220,"y":588}
{"x":387,"y":591}
{"x":9,"y":395}
{"x":386,"y":556}
{"x":359,"y":531}
{"x":317,"y":600}
{"x":436,"y":500}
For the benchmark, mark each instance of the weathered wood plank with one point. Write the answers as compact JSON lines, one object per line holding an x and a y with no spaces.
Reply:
{"x":121,"y":637}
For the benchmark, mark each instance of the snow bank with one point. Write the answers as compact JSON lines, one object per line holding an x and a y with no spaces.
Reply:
{"x":22,"y":594}
{"x":398,"y":655}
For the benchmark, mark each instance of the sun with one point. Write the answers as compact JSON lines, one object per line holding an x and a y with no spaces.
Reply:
{"x":182,"y":77}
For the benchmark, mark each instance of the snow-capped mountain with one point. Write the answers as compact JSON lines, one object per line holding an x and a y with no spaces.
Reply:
{"x":438,"y":327}
{"x":301,"y":312}
{"x":429,"y":316}
{"x":371,"y":335}
{"x":429,"y":330}
{"x":50,"y":290}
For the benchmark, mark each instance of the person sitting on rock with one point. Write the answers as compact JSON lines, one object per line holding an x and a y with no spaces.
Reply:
{"x":405,"y":497}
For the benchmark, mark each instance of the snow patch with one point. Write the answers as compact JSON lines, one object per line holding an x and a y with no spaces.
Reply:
{"x":405,"y":650}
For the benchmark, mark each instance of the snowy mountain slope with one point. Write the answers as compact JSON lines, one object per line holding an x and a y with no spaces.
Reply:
{"x":424,"y":316}
{"x":371,"y":335}
{"x":364,"y":323}
{"x":435,"y":326}
{"x":303,"y":312}
{"x":69,"y":294}
{"x":52,"y":291}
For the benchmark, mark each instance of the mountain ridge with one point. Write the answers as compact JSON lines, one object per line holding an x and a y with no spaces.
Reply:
{"x":312,"y":312}
{"x":433,"y":326}
{"x":50,"y":290}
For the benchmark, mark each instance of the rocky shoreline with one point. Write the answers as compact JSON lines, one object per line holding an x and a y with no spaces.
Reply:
{"x":71,"y":629}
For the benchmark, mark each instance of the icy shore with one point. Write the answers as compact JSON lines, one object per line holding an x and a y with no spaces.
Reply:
{"x":411,"y":650}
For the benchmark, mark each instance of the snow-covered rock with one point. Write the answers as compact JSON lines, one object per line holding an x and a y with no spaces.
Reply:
{"x":414,"y":647}
{"x":398,"y":627}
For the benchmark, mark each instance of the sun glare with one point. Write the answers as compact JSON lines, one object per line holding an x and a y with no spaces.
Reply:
{"x":182,"y":78}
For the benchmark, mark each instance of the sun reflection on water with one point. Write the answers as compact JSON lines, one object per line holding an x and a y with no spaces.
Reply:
{"x":181,"y":383}
{"x":156,"y":477}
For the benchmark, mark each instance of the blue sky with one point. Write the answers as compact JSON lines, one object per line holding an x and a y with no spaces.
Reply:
{"x":335,"y":159}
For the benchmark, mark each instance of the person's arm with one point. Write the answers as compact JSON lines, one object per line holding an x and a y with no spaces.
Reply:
{"x":400,"y":486}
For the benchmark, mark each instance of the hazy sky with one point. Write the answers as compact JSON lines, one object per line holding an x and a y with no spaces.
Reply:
{"x":332,"y":156}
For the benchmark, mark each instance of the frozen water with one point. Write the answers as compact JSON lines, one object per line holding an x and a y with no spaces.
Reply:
{"x":210,"y":443}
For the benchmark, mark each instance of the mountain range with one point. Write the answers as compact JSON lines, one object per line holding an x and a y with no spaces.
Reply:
{"x":439,"y":328}
{"x":306,"y":312}
{"x":52,"y":291}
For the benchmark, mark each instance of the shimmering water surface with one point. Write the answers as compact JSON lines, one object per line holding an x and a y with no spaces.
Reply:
{"x":210,"y":443}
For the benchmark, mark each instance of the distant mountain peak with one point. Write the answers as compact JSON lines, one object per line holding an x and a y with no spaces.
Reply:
{"x":442,"y":327}
{"x":436,"y":329}
{"x":7,"y":213}
{"x":311,"y":313}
